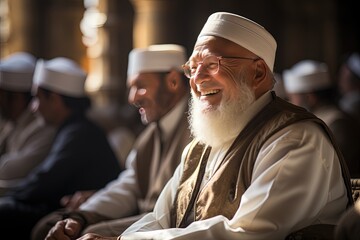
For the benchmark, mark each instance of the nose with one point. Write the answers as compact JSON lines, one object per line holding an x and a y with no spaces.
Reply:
{"x":131,"y":96}
{"x":201,"y":75}
{"x":135,"y":96}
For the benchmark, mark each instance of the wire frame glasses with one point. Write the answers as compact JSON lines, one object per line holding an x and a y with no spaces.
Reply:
{"x":210,"y":63}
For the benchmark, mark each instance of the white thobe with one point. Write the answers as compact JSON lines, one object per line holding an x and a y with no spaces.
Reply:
{"x":28,"y":143}
{"x":296,"y":182}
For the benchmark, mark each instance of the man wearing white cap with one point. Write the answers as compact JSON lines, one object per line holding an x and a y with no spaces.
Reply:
{"x":349,"y":85}
{"x":25,"y":139}
{"x":308,"y":84}
{"x":80,"y":158}
{"x":161,"y":92}
{"x":258,"y":167}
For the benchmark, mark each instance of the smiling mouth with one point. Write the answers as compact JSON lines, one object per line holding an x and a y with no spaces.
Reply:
{"x":209,"y":93}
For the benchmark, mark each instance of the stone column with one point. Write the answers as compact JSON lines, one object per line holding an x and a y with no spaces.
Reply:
{"x":107,"y":33}
{"x":156,"y":21}
{"x":17,"y":26}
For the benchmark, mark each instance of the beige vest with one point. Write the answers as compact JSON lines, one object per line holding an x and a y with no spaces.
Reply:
{"x":152,"y":181}
{"x":222,"y":194}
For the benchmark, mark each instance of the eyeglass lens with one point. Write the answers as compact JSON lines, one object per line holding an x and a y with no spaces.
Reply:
{"x":210,"y":64}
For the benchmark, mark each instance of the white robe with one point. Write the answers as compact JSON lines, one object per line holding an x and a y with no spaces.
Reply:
{"x":28,"y":143}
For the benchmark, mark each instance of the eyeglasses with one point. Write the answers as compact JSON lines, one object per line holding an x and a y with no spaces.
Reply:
{"x":210,"y":63}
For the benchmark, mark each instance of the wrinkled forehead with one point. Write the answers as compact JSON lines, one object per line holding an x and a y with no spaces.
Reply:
{"x":212,"y":45}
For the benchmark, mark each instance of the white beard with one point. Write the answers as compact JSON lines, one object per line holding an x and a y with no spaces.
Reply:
{"x":222,"y":124}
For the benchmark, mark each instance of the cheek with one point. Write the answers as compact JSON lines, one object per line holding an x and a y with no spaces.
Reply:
{"x":229,"y":90}
{"x":232,"y":77}
{"x":230,"y":87}
{"x":193,"y":87}
{"x":40,"y":109}
{"x":41,"y":106}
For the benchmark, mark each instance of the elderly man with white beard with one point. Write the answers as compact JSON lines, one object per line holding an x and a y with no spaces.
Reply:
{"x":258,"y":167}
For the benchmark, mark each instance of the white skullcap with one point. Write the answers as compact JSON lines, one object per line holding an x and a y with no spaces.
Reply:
{"x":353,"y":63}
{"x":243,"y":32}
{"x":16,"y":72}
{"x":306,"y":76}
{"x":60,"y":75}
{"x":156,"y":58}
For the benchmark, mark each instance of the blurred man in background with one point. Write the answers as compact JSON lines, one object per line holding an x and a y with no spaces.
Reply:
{"x":80,"y":157}
{"x":349,"y":85}
{"x":25,"y":139}
{"x":309,"y":84}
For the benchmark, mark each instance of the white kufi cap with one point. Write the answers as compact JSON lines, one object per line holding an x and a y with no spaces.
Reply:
{"x":16,"y":72}
{"x":353,"y":63}
{"x":306,"y":76}
{"x":60,"y":75}
{"x":156,"y":58}
{"x":243,"y":32}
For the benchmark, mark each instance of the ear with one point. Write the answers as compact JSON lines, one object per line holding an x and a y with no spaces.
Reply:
{"x":260,"y":73}
{"x":173,"y":79}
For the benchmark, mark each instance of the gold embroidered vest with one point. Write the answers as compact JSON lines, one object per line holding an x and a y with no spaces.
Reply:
{"x":222,"y":194}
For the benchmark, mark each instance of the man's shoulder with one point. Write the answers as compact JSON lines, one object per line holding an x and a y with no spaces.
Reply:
{"x":81,"y":130}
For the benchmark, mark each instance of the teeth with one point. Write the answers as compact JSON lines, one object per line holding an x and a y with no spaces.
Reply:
{"x":209,"y":92}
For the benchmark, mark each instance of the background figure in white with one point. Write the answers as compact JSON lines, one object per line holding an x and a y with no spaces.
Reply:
{"x":309,"y":84}
{"x":25,"y":139}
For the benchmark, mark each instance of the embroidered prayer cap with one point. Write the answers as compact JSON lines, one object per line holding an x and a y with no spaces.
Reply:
{"x":156,"y":58}
{"x":307,"y":76}
{"x":243,"y":32}
{"x":353,"y":63}
{"x":60,"y":75}
{"x":16,"y":72}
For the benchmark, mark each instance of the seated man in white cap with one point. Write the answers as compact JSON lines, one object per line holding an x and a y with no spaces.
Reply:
{"x":80,"y":157}
{"x":25,"y":139}
{"x":349,"y":85}
{"x":259,"y":167}
{"x":308,"y":84}
{"x":159,"y":89}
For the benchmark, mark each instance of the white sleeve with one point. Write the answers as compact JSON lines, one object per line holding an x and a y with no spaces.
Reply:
{"x":296,"y":182}
{"x":119,"y":197}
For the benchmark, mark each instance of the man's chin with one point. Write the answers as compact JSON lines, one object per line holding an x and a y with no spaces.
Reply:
{"x":207,"y":107}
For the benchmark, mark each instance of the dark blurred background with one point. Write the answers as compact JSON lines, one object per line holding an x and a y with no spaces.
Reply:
{"x":99,"y":34}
